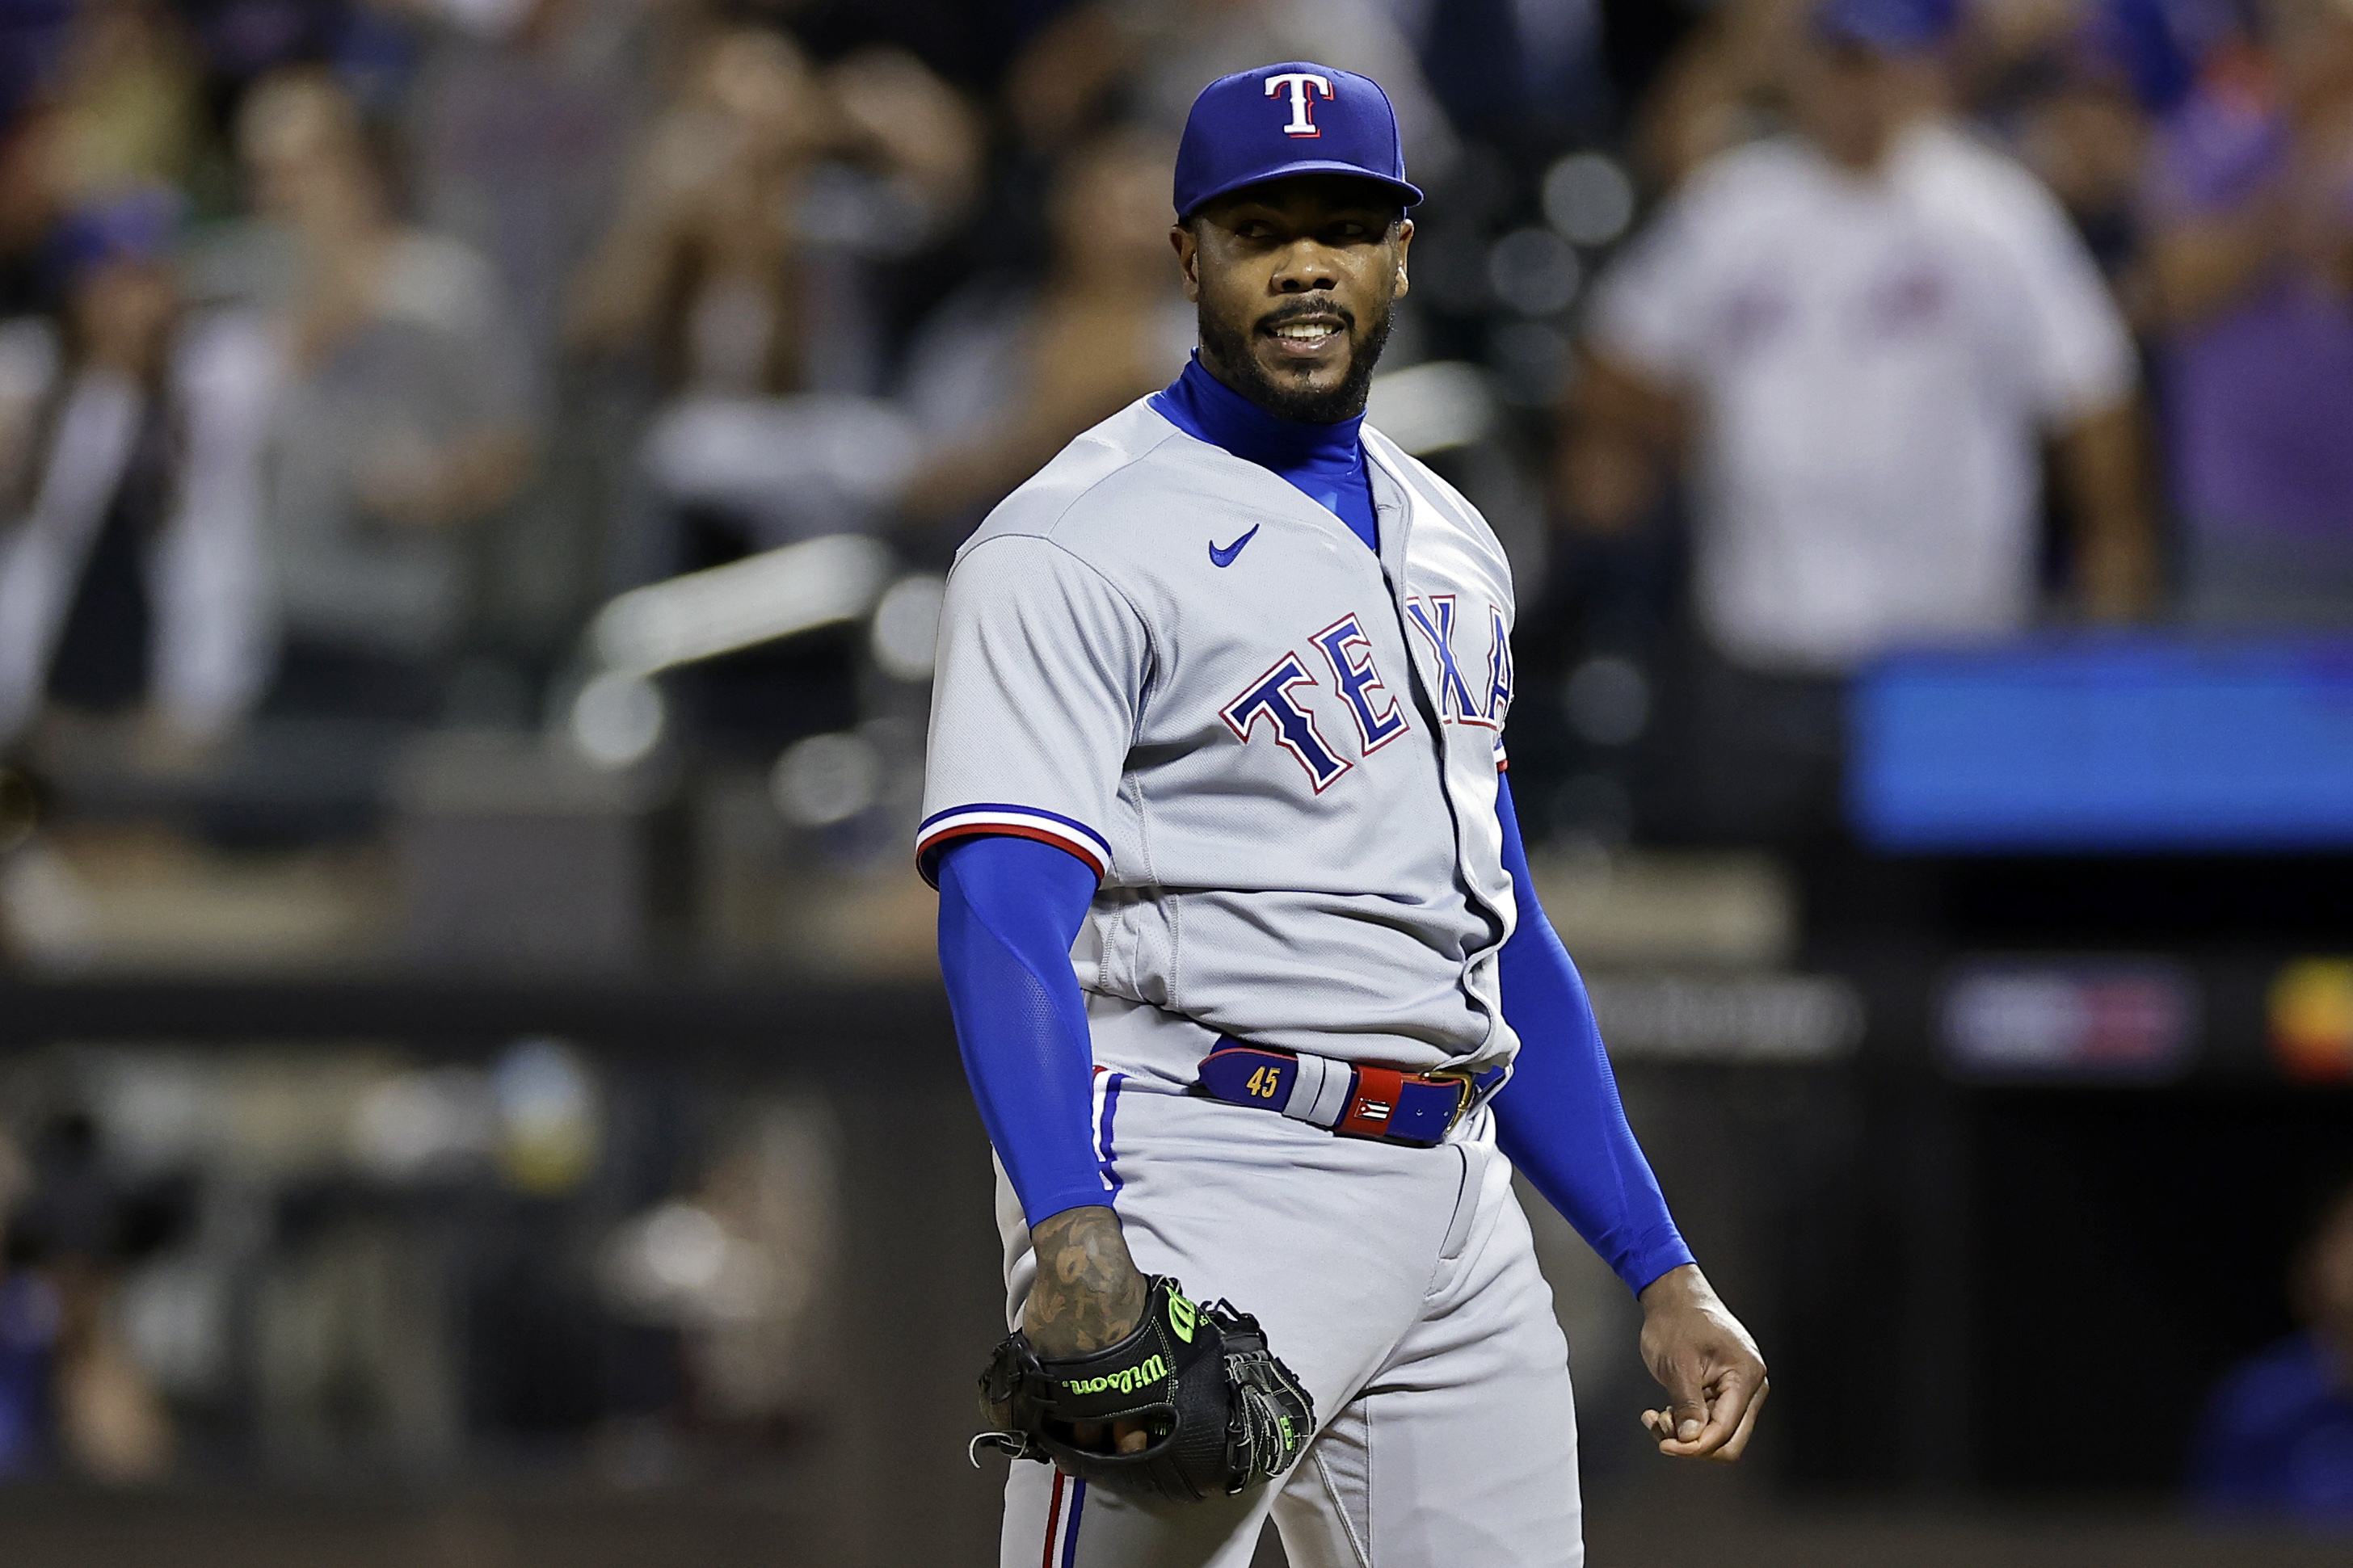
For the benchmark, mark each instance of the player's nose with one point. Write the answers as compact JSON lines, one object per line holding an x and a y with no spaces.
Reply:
{"x":1305,"y":265}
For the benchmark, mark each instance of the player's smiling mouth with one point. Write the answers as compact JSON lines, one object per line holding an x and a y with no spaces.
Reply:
{"x":1306,"y":335}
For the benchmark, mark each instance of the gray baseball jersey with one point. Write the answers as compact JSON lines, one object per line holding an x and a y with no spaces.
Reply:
{"x":1278,"y":752}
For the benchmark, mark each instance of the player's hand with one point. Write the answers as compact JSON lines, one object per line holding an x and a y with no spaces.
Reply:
{"x":1715,"y":1379}
{"x":1086,"y":1296}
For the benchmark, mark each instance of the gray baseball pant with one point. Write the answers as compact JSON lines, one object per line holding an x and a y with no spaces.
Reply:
{"x":1400,"y":1283}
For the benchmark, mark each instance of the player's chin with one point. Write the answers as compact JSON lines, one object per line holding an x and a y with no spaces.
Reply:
{"x":1323,"y":371}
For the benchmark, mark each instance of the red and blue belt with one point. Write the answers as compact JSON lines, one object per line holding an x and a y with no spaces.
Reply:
{"x":1355,"y":1099}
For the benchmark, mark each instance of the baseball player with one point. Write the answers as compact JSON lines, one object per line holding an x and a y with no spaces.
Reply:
{"x":1257,"y":1001}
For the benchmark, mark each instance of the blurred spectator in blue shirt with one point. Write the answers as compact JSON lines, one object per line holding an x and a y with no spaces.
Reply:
{"x":2278,"y":1435}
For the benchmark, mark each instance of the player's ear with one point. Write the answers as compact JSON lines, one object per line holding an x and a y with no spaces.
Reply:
{"x":1403,"y":233}
{"x":1188,"y":258}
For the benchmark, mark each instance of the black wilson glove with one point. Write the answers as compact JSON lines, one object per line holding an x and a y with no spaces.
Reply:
{"x":1219,"y":1411}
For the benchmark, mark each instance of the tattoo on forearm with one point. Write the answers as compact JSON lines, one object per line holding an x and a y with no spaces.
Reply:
{"x":1088,"y":1294}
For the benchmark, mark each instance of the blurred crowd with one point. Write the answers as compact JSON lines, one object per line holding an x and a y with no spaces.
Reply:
{"x":357,"y":351}
{"x":347,"y":1262}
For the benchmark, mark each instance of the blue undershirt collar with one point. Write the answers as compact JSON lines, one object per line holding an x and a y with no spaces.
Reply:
{"x":1323,"y":462}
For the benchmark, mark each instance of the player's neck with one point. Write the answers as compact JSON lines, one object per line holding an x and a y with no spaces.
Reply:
{"x":1219,"y":413}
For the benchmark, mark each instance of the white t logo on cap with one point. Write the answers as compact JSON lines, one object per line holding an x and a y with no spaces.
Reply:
{"x":1302,"y":117}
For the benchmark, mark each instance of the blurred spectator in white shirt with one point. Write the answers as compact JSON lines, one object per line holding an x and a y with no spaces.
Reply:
{"x":130,"y":570}
{"x":1867,"y":329}
{"x":2252,"y":204}
{"x":1873,"y":326}
{"x":408,"y":420}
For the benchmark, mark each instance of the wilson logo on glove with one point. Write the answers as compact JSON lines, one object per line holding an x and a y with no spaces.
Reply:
{"x":1126,"y":1380}
{"x":1218,"y":1411}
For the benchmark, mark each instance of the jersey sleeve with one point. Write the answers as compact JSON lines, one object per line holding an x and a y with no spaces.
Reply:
{"x":1041,"y":667}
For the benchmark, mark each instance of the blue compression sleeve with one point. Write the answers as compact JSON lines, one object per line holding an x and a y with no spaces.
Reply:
{"x":1009,"y":909}
{"x":1560,"y":1119}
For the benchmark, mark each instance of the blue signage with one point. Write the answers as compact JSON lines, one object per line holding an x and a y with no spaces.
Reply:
{"x":2106,"y":744}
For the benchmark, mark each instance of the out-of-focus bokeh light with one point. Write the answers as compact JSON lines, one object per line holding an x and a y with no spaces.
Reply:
{"x":618,"y":719}
{"x":1534,"y":271}
{"x":906,"y":627}
{"x":550,"y":1121}
{"x":677,"y":1264}
{"x":1608,"y":700}
{"x":1588,"y":197}
{"x":1434,"y":408}
{"x":418,"y":1125}
{"x":2311,"y":1006}
{"x":825,"y":778}
{"x":1532,"y":360}
{"x":777,"y":594}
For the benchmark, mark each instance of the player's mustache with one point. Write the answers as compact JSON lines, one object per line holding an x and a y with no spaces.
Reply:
{"x":1305,"y":308}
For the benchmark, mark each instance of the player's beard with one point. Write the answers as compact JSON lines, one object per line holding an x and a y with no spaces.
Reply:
{"x":1231,"y":348}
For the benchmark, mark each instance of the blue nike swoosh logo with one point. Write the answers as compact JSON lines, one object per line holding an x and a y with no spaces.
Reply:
{"x":1226,"y":557}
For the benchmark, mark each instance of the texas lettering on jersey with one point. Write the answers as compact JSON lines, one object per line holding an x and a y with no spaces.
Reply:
{"x":1255,"y":733}
{"x":1276,"y":703}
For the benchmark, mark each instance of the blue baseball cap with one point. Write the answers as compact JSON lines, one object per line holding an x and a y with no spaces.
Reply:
{"x":1296,"y":118}
{"x":1886,"y":27}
